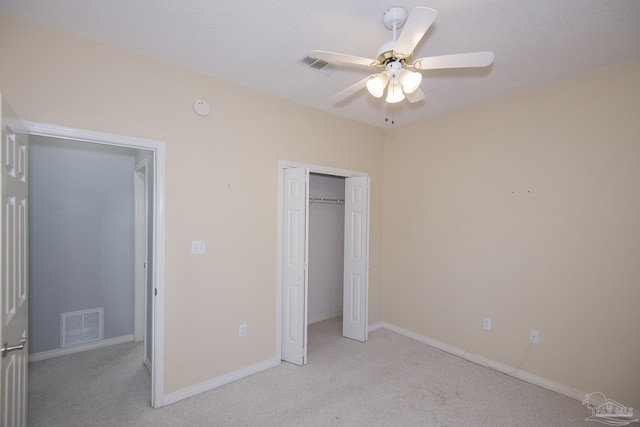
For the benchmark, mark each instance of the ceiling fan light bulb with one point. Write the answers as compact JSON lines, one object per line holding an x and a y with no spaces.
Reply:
{"x":394,"y":93}
{"x":410,"y":80}
{"x":376,"y":85}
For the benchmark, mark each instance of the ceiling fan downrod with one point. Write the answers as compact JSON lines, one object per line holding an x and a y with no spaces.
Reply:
{"x":393,"y":19}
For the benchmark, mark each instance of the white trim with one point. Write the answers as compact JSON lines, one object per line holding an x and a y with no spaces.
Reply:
{"x":491,"y":364}
{"x":50,"y":354}
{"x":211,"y":384}
{"x":43,"y":129}
{"x":158,"y":149}
{"x":368,"y":266}
{"x":157,"y":392}
{"x":279,"y":244}
{"x":140,"y":186}
{"x":376,"y":326}
{"x":285,"y":164}
{"x":282,"y":165}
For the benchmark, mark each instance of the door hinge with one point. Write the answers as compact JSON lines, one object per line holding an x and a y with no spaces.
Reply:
{"x":155,"y":291}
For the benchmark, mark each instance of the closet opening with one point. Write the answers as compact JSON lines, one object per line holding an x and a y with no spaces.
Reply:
{"x":326,"y":251}
{"x":322,"y":256}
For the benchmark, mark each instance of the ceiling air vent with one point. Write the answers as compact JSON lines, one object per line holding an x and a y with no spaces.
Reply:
{"x":318,"y":64}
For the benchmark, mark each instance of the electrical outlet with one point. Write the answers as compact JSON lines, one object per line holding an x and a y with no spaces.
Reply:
{"x":486,"y":323}
{"x":242,"y":330}
{"x":534,"y":336}
{"x":198,"y":247}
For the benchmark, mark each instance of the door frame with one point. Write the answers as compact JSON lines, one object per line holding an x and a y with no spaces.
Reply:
{"x":158,"y":150}
{"x":324,"y":170}
{"x":140,"y":188}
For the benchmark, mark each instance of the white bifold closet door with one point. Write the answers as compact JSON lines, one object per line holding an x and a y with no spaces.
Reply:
{"x":295,"y":260}
{"x":356,"y":259}
{"x":295,"y":272}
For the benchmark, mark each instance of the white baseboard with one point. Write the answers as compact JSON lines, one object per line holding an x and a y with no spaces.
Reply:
{"x":325,"y":316}
{"x":522,"y":375}
{"x":185,"y":393}
{"x":188,"y":392}
{"x":50,"y":354}
{"x":376,"y":326}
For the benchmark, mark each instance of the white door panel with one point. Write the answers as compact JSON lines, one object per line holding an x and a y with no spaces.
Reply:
{"x":294,"y":268}
{"x":356,"y":259}
{"x":14,"y":290}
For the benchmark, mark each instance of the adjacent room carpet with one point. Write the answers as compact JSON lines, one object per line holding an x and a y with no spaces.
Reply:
{"x":390,"y":380}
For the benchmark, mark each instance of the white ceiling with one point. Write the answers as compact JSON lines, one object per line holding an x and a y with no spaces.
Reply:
{"x":259,"y":44}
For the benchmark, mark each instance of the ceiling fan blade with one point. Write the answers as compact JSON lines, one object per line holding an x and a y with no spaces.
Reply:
{"x":415,"y":96}
{"x":459,"y":60}
{"x":418,"y":22}
{"x":343,"y":58}
{"x":345,"y":93}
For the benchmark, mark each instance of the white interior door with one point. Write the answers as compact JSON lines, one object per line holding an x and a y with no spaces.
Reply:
{"x":295,"y":265}
{"x":356,"y":259}
{"x":13,"y":251}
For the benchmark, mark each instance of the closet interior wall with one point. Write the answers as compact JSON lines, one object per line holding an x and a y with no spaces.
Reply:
{"x":326,"y":247}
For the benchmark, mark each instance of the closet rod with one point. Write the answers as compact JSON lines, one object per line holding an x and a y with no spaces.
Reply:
{"x":324,"y":200}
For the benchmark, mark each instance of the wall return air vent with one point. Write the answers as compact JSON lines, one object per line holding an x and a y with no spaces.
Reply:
{"x":80,"y":327}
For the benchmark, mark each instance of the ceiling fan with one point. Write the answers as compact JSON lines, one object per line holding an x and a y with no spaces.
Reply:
{"x":395,"y":57}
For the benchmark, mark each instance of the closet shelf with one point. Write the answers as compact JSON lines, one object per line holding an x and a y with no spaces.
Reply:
{"x":313,"y":200}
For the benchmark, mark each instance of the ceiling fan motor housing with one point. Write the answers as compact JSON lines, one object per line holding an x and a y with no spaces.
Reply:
{"x":387,"y":55}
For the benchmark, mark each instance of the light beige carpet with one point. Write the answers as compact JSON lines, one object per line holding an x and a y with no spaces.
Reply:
{"x":389,"y":381}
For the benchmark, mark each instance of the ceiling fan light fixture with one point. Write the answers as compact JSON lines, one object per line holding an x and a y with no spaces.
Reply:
{"x":376,"y":85}
{"x":394,"y":92}
{"x":410,"y":80}
{"x":402,"y":74}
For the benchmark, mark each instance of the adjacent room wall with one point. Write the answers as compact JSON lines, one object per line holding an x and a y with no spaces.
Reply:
{"x":221,"y":180}
{"x":525,"y":210}
{"x":80,"y":236}
{"x":326,"y":248}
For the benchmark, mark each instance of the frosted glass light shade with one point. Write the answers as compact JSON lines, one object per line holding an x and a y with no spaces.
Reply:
{"x":376,"y":85}
{"x":394,"y":93}
{"x":410,"y":80}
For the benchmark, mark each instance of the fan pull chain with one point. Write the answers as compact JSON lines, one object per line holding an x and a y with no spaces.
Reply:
{"x":386,"y":119}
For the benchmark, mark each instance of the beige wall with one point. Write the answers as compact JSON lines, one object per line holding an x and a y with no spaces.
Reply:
{"x":525,"y":210}
{"x":221,"y":179}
